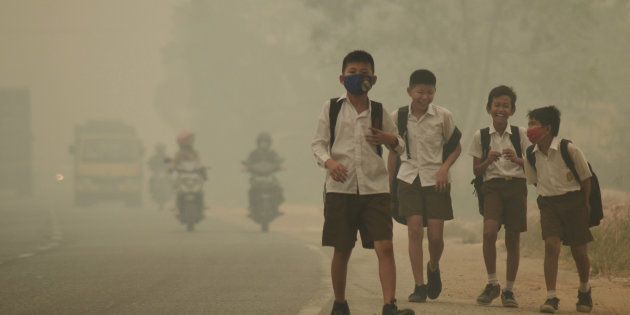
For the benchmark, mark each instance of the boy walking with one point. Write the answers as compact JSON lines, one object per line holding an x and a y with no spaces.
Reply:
{"x":498,"y":158}
{"x":348,"y":144}
{"x":563,"y":202}
{"x":423,"y":180}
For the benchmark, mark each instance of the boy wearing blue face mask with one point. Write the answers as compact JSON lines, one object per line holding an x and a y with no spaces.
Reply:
{"x":348,"y":144}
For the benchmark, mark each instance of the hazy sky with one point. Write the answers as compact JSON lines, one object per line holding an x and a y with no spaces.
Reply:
{"x":84,"y":60}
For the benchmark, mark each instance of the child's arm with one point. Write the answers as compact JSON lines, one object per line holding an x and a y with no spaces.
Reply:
{"x":388,"y":136}
{"x":320,"y":147}
{"x":321,"y":140}
{"x":581,"y":166}
{"x":442,"y":174}
{"x":391,"y":166}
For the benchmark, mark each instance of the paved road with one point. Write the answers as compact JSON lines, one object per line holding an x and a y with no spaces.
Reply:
{"x":109,"y":259}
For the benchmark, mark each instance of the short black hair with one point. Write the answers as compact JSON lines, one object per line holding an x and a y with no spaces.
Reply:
{"x":357,"y":56}
{"x":422,"y":76}
{"x":502,"y":90}
{"x":547,"y":116}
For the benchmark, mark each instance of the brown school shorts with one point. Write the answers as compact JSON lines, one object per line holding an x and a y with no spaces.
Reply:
{"x":505,"y":201}
{"x":345,"y":214}
{"x":425,"y":201}
{"x":565,"y":216}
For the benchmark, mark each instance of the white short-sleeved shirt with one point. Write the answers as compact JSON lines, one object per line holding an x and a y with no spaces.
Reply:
{"x":427,"y":136}
{"x":498,"y":142}
{"x":367,"y":173}
{"x":552,"y":176}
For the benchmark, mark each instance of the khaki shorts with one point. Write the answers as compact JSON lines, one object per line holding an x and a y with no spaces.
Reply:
{"x":565,"y":216}
{"x":345,"y":214}
{"x":505,"y":201}
{"x":425,"y":201}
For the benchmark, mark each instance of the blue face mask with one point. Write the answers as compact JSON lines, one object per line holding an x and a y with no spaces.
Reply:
{"x":357,"y":84}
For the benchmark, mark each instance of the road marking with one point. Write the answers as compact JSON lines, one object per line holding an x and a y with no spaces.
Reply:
{"x":55,"y":237}
{"x":319,"y":300}
{"x":26,"y":255}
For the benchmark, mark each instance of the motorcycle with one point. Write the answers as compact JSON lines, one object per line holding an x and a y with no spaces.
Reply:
{"x":189,"y":179}
{"x":265,"y":195}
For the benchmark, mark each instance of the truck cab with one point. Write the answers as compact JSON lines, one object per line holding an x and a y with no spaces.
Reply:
{"x":108,"y":163}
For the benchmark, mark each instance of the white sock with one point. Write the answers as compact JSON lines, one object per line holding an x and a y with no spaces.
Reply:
{"x":492,"y":279}
{"x":584,"y":287}
{"x":551,"y":294}
{"x":509,"y":286}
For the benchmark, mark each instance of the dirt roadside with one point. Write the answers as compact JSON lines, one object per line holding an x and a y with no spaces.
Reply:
{"x":463,"y":273}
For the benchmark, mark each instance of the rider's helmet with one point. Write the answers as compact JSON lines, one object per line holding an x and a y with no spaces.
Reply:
{"x":263,"y":139}
{"x":160,"y":149}
{"x":185,"y":139}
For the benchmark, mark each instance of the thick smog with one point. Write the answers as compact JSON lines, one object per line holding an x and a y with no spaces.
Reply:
{"x":314,"y":157}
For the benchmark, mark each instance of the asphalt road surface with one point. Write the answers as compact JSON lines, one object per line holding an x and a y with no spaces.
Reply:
{"x":58,"y":259}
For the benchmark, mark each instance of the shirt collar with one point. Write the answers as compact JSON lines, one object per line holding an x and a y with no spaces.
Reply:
{"x":344,"y":98}
{"x":508,"y":129}
{"x":555,"y":144}
{"x":430,"y":110}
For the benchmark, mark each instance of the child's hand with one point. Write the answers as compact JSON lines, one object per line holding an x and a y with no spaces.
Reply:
{"x":493,"y":156}
{"x":338,"y":172}
{"x":510,"y":155}
{"x":379,"y":137}
{"x":441,"y":179}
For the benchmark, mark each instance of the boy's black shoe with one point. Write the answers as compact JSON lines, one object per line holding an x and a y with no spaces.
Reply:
{"x":340,"y":308}
{"x":392,"y":309}
{"x":419,"y":294}
{"x":490,"y":293}
{"x":585,"y":303}
{"x":434,"y":283}
{"x":550,"y":306}
{"x":507,"y":299}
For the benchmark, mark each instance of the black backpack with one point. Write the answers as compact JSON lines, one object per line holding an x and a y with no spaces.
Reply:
{"x":597,"y":213}
{"x":447,"y":149}
{"x":376,"y":117}
{"x":477,"y":182}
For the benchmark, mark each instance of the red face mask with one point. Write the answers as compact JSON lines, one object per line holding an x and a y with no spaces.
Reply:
{"x":534,"y":134}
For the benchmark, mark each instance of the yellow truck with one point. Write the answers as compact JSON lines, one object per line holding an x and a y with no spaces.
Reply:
{"x":108,"y":163}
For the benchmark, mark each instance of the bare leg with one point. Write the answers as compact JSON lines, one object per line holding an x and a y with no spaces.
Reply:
{"x":339,"y":272}
{"x":583,"y":264}
{"x":415,"y":232}
{"x":386,"y":269}
{"x":435,"y":234}
{"x":512,"y":245}
{"x":490,"y":231}
{"x":552,"y":251}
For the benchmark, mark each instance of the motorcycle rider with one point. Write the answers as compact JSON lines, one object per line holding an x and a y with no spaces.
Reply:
{"x":264,"y":162}
{"x":188,"y":158}
{"x":158,"y":161}
{"x":159,"y":167}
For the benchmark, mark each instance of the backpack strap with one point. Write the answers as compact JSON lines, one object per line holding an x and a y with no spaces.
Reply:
{"x":485,"y":142}
{"x":377,"y":122}
{"x":333,"y":112}
{"x":531,"y":157}
{"x":403,"y":118}
{"x":564,"y":151}
{"x":515,"y":137}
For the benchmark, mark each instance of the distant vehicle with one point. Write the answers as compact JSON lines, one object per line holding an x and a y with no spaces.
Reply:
{"x":16,"y":161}
{"x":108,"y":163}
